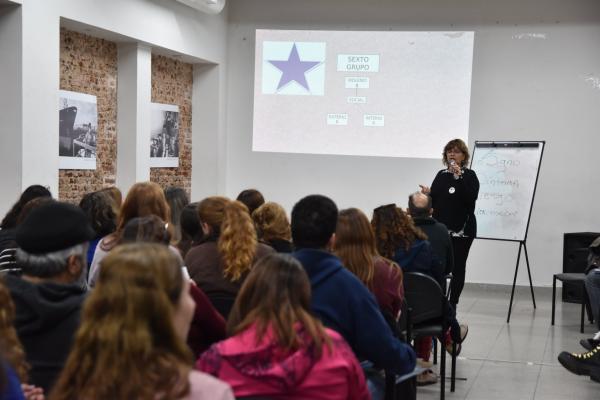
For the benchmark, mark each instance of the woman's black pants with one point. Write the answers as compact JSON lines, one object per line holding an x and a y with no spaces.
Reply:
{"x":461,"y":246}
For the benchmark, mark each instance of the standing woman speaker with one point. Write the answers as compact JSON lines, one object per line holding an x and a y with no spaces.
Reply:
{"x":454,"y":192}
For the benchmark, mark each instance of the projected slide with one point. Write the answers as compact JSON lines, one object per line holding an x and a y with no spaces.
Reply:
{"x":388,"y":94}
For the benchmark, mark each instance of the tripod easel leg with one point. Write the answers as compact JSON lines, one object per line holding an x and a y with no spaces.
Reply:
{"x":529,"y":273}
{"x":512,"y":294}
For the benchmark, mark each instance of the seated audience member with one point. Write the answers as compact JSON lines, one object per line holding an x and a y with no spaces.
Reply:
{"x":177,"y":199}
{"x":278,"y":349}
{"x":208,"y":326}
{"x":398,"y":238}
{"x":143,"y":199}
{"x":251,"y":198}
{"x":52,"y":250}
{"x":592,"y":287}
{"x":191,"y":231}
{"x":273,"y":227}
{"x":588,"y":363}
{"x":221,"y":262}
{"x":99,"y":208}
{"x":419,"y":208}
{"x":131,"y":341}
{"x":116,"y":196}
{"x":9,"y":224}
{"x":355,"y":246}
{"x":339,"y":298}
{"x":8,"y":259}
{"x":150,"y":229}
{"x":10,"y":386}
{"x":12,"y":355}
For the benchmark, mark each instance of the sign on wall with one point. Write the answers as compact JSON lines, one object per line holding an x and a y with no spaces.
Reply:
{"x":78,"y":130}
{"x":164,"y":135}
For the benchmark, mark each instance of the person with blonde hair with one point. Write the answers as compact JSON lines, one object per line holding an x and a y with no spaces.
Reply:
{"x":143,"y":199}
{"x":222,"y":260}
{"x":277,"y":347}
{"x":273,"y":227}
{"x":131,"y":340}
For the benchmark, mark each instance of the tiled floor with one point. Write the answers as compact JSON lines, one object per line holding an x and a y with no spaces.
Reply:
{"x":517,"y":360}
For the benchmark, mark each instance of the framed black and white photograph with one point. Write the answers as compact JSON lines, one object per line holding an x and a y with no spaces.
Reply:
{"x":164,"y":135}
{"x":78,"y":130}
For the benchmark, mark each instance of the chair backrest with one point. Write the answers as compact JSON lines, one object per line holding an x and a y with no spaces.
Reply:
{"x":424,"y":297}
{"x":223,"y":303}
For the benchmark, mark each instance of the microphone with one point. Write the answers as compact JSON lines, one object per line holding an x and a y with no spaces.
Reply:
{"x":453,"y":164}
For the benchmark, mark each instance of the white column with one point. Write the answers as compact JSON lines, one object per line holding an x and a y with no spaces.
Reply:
{"x":208,"y":131}
{"x":40,"y":80}
{"x":134,"y":87}
{"x":11,"y":103}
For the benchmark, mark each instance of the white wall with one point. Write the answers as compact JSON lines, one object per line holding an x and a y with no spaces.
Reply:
{"x":10,"y":105}
{"x":524,"y":88}
{"x":165,"y":26}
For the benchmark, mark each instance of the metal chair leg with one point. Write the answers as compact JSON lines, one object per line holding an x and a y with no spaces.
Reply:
{"x":453,"y":370}
{"x":435,"y":349}
{"x":553,"y":297}
{"x":582,"y":312}
{"x":442,"y":374}
{"x":588,"y":307}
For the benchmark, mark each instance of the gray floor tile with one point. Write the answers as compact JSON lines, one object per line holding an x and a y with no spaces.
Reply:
{"x":517,"y":360}
{"x":555,"y":383}
{"x":502,"y":380}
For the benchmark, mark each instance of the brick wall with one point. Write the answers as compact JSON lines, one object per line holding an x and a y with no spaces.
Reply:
{"x":172,"y":84}
{"x":89,"y":65}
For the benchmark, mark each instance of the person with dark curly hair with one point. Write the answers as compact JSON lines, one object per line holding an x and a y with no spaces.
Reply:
{"x":399,"y":239}
{"x":99,"y":208}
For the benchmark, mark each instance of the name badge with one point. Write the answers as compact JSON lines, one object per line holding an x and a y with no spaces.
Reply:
{"x":451,"y":190}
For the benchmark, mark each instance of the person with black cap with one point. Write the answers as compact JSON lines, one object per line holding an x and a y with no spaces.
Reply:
{"x":52,"y":243}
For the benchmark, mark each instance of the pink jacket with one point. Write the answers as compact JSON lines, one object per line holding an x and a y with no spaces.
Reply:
{"x":266,"y":370}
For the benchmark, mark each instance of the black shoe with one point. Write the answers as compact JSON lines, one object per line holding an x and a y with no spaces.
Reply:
{"x":581,"y":364}
{"x":589,"y":344}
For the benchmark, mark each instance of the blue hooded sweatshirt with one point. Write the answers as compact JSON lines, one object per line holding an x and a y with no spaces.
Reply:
{"x":344,"y":304}
{"x":420,"y":258}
